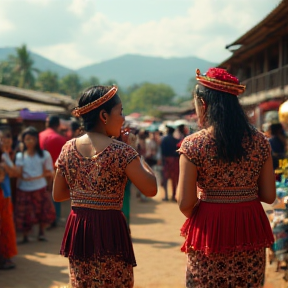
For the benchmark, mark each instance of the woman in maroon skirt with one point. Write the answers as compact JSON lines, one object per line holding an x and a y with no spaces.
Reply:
{"x":225,"y":171}
{"x":92,"y":171}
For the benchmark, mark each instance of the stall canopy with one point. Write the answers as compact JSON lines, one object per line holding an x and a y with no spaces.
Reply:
{"x":25,"y":114}
{"x":270,"y":105}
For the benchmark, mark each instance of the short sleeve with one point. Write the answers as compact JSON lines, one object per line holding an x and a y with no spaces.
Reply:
{"x":48,"y":163}
{"x":190,"y":147}
{"x":19,"y":159}
{"x":61,"y":162}
{"x":129,"y":154}
{"x":264,"y":147}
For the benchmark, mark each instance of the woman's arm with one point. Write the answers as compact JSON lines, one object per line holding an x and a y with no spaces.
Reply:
{"x":60,"y":190}
{"x":142,"y":176}
{"x":187,"y":189}
{"x":9,"y":166}
{"x":266,"y":182}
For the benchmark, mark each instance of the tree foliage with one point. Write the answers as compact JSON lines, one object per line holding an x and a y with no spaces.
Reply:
{"x":70,"y":85}
{"x":92,"y":81}
{"x":149,"y":96}
{"x":23,"y":68}
{"x":7,"y":76}
{"x":47,"y":82}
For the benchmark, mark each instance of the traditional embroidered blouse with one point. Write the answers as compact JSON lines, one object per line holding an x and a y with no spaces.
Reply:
{"x":96,"y":182}
{"x":226,"y":182}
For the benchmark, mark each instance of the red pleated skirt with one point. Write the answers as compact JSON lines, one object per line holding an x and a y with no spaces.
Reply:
{"x":225,"y":227}
{"x":91,"y":233}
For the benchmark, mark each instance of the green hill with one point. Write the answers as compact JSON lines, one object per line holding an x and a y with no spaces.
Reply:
{"x":129,"y":69}
{"x":135,"y":69}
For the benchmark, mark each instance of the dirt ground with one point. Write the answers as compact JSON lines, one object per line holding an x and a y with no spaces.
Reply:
{"x":155,"y":232}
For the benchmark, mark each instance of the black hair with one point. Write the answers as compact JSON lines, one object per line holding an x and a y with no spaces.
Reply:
{"x":32,"y":131}
{"x":75,"y":125}
{"x":276,"y":129}
{"x":229,"y":121}
{"x":181,"y":128}
{"x":91,"y":119}
{"x":53,"y":121}
{"x":170,"y":130}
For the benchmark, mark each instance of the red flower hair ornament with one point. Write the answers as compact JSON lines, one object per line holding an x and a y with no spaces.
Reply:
{"x":219,"y":79}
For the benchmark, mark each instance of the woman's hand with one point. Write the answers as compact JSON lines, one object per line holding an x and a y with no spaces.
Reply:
{"x":2,"y":174}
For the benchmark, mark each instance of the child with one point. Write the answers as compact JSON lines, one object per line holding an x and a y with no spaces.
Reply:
{"x":33,"y":203}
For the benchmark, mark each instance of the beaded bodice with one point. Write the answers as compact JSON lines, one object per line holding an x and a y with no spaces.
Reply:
{"x":96,"y":182}
{"x":221,"y":182}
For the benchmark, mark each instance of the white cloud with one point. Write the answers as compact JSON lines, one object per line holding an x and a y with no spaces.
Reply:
{"x":82,"y":35}
{"x":5,"y":24}
{"x":202,"y":34}
{"x":65,"y":54}
{"x":78,"y":7}
{"x":39,"y":2}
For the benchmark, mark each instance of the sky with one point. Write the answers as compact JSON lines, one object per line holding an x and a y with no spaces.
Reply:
{"x":77,"y":33}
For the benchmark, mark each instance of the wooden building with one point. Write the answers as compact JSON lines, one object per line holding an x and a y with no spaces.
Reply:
{"x":184,"y":111}
{"x":260,"y":61}
{"x":20,"y":108}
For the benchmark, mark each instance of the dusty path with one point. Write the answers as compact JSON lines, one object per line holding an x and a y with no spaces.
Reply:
{"x":155,"y":232}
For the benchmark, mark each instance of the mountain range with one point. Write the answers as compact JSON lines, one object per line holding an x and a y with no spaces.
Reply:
{"x":129,"y":69}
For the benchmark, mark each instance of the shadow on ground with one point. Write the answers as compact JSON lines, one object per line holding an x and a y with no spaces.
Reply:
{"x":155,"y":243}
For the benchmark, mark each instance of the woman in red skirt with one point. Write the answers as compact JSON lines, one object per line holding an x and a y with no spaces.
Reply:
{"x":225,"y":171}
{"x":33,"y":203}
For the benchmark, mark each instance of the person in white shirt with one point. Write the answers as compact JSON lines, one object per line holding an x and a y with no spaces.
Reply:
{"x":33,"y":203}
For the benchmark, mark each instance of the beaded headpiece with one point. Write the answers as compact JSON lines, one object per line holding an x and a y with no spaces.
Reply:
{"x":78,"y":111}
{"x":219,"y":79}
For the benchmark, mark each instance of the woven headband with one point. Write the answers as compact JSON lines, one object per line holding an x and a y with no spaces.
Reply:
{"x":219,"y":79}
{"x":78,"y":111}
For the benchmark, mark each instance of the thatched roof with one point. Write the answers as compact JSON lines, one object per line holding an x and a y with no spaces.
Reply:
{"x":14,"y":99}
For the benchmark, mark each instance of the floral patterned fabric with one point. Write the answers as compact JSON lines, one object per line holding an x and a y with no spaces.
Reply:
{"x":101,"y":272}
{"x":228,"y":270}
{"x":200,"y":149}
{"x":96,"y":182}
{"x":32,"y":208}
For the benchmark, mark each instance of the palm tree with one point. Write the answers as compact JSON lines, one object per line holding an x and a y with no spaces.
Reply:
{"x":23,"y":67}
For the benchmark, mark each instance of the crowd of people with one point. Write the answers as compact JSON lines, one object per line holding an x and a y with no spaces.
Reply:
{"x":219,"y":175}
{"x":27,"y":171}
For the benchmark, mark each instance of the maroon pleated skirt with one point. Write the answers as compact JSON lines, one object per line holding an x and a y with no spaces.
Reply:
{"x":93,"y":233}
{"x":220,"y":228}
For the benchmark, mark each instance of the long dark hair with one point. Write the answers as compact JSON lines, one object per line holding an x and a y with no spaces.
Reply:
{"x":90,"y":119}
{"x":32,"y":132}
{"x":229,"y":121}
